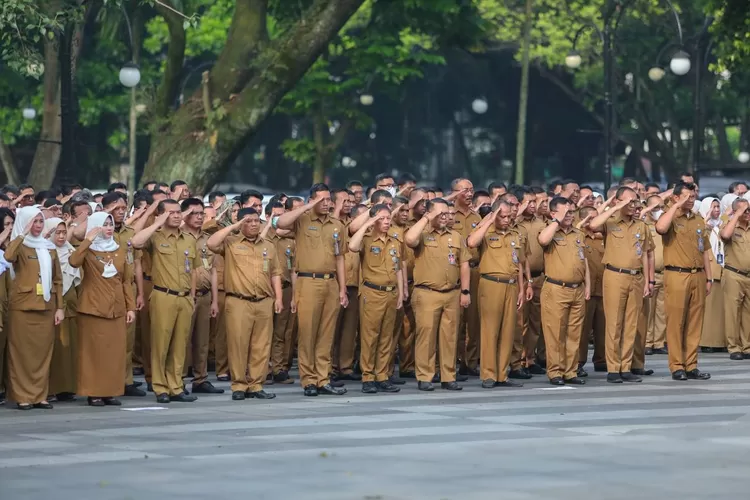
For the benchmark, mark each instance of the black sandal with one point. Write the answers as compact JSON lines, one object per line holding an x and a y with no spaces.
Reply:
{"x":112,"y":402}
{"x":44,"y":405}
{"x":96,"y":402}
{"x":23,"y":406}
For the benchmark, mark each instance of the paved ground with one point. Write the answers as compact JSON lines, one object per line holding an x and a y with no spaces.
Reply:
{"x":660,"y":439}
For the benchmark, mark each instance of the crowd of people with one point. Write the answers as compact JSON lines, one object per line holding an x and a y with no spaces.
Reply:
{"x":501,"y":284}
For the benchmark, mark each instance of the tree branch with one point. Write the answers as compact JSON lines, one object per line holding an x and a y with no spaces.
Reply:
{"x":170,"y":83}
{"x":9,"y":166}
{"x":338,"y":138}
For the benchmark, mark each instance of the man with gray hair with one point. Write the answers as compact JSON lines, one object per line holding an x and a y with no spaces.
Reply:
{"x":736,"y":283}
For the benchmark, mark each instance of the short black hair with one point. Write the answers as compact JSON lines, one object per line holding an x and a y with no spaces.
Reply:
{"x":76,"y":204}
{"x":250,"y":193}
{"x":653,"y":185}
{"x":405,"y":178}
{"x":190,"y":202}
{"x":271,"y":205}
{"x":289,"y":203}
{"x":400,"y":200}
{"x":142,"y":195}
{"x":554,"y":184}
{"x":162,"y":206}
{"x":351,"y":184}
{"x":244,"y":212}
{"x":177,"y":183}
{"x":379,"y":194}
{"x":318,"y":188}
{"x":215,"y":194}
{"x":43,"y":195}
{"x":377,"y":208}
{"x":356,"y":209}
{"x":145,"y":184}
{"x":67,"y":189}
{"x":6,"y":212}
{"x":110,"y":198}
{"x":25,"y":186}
{"x":496,"y":185}
{"x":682,"y":186}
{"x":435,"y":201}
{"x":622,"y":190}
{"x":382,"y":176}
{"x":117,"y":185}
{"x":478,"y":194}
{"x":51,"y":202}
{"x":586,"y":186}
{"x":556,"y":202}
{"x":10,"y":188}
{"x":160,"y":185}
{"x":537,"y":189}
{"x":4,"y":197}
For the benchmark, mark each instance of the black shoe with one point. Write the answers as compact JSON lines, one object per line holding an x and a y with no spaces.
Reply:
{"x":238,"y":395}
{"x":746,"y":355}
{"x":436,"y":378}
{"x":649,"y":351}
{"x":519,"y":374}
{"x":736,"y":356}
{"x":411,"y":374}
{"x":137,"y":384}
{"x":542,"y":363}
{"x":708,"y":350}
{"x":163,"y":398}
{"x":133,"y":391}
{"x":331,"y":391}
{"x":582,"y":373}
{"x":614,"y":378}
{"x":679,"y":375}
{"x":2,"y":398}
{"x":508,"y":383}
{"x":488,"y":384}
{"x":461,"y":378}
{"x":369,"y":387}
{"x":698,"y":375}
{"x":601,"y":367}
{"x":43,"y":406}
{"x":95,"y":402}
{"x":387,"y":386}
{"x":661,"y":350}
{"x":183,"y":398}
{"x":575,"y":381}
{"x":425,"y":386}
{"x":137,"y":371}
{"x":112,"y":402}
{"x":629,"y":377}
{"x":451,"y":386}
{"x":536,"y":369}
{"x":206,"y":388}
{"x":222,"y":378}
{"x":349,"y":376}
{"x":261,"y":394}
{"x":283,"y":378}
{"x":184,"y":390}
{"x":641,"y":372}
{"x":310,"y":390}
{"x":557,"y":381}
{"x":24,"y":406}
{"x":336,"y":383}
{"x":65,"y":396}
{"x":469,"y":372}
{"x":396,"y":381}
{"x":190,"y":373}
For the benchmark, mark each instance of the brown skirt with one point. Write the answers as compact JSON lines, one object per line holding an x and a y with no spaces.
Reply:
{"x":713,"y":334}
{"x":101,"y":356}
{"x":63,"y":371}
{"x":31,"y":338}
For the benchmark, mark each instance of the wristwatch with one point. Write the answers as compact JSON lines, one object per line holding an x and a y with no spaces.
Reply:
{"x":465,"y":292}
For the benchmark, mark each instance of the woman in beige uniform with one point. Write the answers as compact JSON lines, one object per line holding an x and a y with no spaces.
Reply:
{"x":106,"y":305}
{"x":62,"y":378}
{"x":6,"y":278}
{"x":35,"y":308}
{"x":713,"y":337}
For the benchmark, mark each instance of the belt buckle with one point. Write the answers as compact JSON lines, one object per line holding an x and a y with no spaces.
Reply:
{"x":574,"y":285}
{"x":511,"y":281}
{"x":389,"y":289}
{"x":181,"y":294}
{"x":693,"y":271}
{"x":633,"y":272}
{"x":326,"y":276}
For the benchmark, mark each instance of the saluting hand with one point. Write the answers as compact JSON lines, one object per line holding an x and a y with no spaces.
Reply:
{"x":91,"y":235}
{"x":162,"y":219}
{"x":27,"y":229}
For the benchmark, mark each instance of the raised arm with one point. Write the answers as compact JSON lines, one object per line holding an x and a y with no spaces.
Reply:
{"x":141,"y":238}
{"x":287,"y":219}
{"x":216,"y":241}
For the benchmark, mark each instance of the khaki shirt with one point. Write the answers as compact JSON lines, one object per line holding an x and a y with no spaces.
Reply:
{"x":218,"y":264}
{"x":100,"y":296}
{"x":565,"y":256}
{"x":737,"y":249}
{"x":286,"y":251}
{"x":595,"y":256}
{"x":317,"y":237}
{"x":626,"y":242}
{"x":249,"y":266}
{"x":351,"y":263}
{"x":203,"y":282}
{"x":502,"y":253}
{"x":407,"y":254}
{"x":438,"y":259}
{"x":685,"y":242}
{"x":23,"y":291}
{"x":533,"y":227}
{"x":658,"y":246}
{"x":465,"y":223}
{"x":380,"y":259}
{"x":173,"y":258}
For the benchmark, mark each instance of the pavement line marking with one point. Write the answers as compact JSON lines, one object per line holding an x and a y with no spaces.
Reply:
{"x":616,"y":430}
{"x":75,"y":458}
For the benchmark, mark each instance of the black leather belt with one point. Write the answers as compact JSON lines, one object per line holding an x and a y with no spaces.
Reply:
{"x":746,"y":274}
{"x":171,"y":292}
{"x":147,"y":278}
{"x":715,"y":281}
{"x":686,"y":270}
{"x":245,"y":297}
{"x":507,"y":281}
{"x":201,"y":293}
{"x":632,"y":272}
{"x":317,"y":276}
{"x":425,"y":287}
{"x":563,"y":284}
{"x":536,"y":274}
{"x":381,"y":288}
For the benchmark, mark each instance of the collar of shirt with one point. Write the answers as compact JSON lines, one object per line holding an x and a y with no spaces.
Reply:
{"x":257,"y":239}
{"x":439,"y":231}
{"x":323,"y":219}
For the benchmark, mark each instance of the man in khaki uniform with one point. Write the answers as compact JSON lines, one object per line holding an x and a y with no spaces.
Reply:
{"x":687,"y":281}
{"x":206,"y":300}
{"x":174,"y":260}
{"x":465,"y":221}
{"x":381,"y":296}
{"x":252,"y":278}
{"x":564,"y":293}
{"x":656,"y":323}
{"x":503,"y":251}
{"x":441,"y":263}
{"x":594,"y":323}
{"x":403,"y":331}
{"x":736,"y":237}
{"x":626,"y":280}
{"x":321,"y":280}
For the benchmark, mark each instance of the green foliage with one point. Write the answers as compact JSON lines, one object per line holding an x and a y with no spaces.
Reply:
{"x":299,"y":150}
{"x":731,"y":32}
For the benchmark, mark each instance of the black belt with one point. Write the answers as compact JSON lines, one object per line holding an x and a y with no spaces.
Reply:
{"x":715,"y":281}
{"x":536,"y":274}
{"x":201,"y":293}
{"x":746,"y":274}
{"x":425,"y":287}
{"x":147,"y":278}
{"x":473,"y":265}
{"x":381,"y":288}
{"x":507,"y":281}
{"x":686,"y":270}
{"x":632,"y":272}
{"x":658,"y":272}
{"x":563,"y":284}
{"x":317,"y":276}
{"x":245,"y":297}
{"x":171,"y":292}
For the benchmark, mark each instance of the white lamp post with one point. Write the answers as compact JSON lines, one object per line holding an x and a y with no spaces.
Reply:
{"x":130,"y":75}
{"x":366,"y":99}
{"x":680,"y":63}
{"x":479,"y":106}
{"x":743,"y":157}
{"x":573,"y":60}
{"x":28,"y":113}
{"x":656,"y":73}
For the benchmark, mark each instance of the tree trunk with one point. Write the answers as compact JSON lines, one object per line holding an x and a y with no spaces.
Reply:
{"x":725,"y":150}
{"x":524,"y":97}
{"x":9,"y":166}
{"x":188,"y":148}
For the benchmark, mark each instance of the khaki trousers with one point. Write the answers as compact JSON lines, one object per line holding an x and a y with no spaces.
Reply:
{"x":249,"y":331}
{"x":130,"y":348}
{"x":736,"y":290}
{"x":657,"y":326}
{"x":685,"y":300}
{"x":528,"y":345}
{"x":469,"y":327}
{"x":404,"y":335}
{"x":639,"y":346}
{"x":144,"y":320}
{"x":282,"y":345}
{"x":377,"y":321}
{"x":170,"y":330}
{"x":498,"y":314}
{"x":623,"y":301}
{"x":563,"y":310}
{"x":220,"y":337}
{"x":318,"y":308}
{"x":593,"y":323}
{"x":713,"y":333}
{"x":197,"y":348}
{"x":345,"y":340}
{"x":436,"y":315}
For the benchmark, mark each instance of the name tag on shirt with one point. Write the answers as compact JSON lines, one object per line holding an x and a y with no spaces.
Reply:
{"x":375,"y":250}
{"x":312,"y":228}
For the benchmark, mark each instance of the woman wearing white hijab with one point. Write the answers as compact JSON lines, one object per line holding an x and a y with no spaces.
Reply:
{"x":62,"y":378}
{"x":713,"y":336}
{"x":106,"y":306}
{"x":35,"y":308}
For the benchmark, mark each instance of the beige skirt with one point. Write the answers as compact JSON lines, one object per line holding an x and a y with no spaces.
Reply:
{"x":713,"y":334}
{"x":31,"y":339}
{"x":101,"y":356}
{"x":64,"y":368}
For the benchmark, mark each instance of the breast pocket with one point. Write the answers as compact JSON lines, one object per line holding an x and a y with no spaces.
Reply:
{"x":495,"y":243}
{"x":314,"y":238}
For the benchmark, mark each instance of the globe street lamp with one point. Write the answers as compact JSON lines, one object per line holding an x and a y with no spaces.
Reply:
{"x":479,"y":106}
{"x":28,"y":113}
{"x":366,"y":99}
{"x":680,"y":63}
{"x":743,"y":157}
{"x":130,"y":75}
{"x":573,"y":60}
